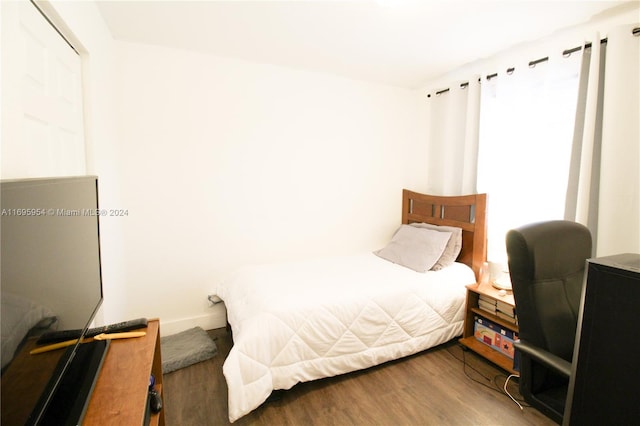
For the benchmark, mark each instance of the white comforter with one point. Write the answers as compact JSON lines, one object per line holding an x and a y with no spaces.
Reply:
{"x":302,"y":321}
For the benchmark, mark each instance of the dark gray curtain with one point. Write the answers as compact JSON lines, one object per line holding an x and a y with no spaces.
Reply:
{"x":584,"y":174}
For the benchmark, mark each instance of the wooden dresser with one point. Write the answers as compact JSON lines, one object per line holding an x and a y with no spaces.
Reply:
{"x":120,"y":395}
{"x":121,"y":391}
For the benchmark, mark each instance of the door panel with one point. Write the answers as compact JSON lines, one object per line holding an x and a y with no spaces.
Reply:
{"x":42,"y":121}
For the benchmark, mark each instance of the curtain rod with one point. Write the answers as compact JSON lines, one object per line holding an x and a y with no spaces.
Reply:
{"x":565,"y":53}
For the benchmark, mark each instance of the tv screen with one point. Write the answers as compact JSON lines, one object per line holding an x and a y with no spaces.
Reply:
{"x":50,"y":280}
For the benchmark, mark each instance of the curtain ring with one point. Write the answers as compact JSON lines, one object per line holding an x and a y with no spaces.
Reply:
{"x":510,"y":70}
{"x":636,"y":31}
{"x":568,"y":52}
{"x":533,"y":64}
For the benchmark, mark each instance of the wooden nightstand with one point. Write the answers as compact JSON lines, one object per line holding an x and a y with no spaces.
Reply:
{"x":472,"y":311}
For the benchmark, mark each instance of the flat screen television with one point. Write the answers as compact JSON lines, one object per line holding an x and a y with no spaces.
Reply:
{"x":50,"y":278}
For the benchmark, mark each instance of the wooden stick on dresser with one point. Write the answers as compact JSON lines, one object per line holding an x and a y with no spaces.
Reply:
{"x":103,"y":336}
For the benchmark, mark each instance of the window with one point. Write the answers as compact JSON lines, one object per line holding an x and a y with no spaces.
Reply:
{"x":526,"y":128}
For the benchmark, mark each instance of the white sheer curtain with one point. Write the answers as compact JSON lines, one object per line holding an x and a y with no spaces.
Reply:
{"x":526,"y":126}
{"x":619,"y":202}
{"x":603,"y":186}
{"x":453,"y":140}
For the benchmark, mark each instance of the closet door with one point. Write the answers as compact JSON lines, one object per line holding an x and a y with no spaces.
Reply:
{"x":42,"y":120}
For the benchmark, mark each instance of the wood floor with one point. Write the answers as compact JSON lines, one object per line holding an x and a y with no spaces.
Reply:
{"x":442,"y":386}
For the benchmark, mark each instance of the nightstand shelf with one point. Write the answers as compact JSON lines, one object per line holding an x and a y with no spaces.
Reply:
{"x":472,"y":310}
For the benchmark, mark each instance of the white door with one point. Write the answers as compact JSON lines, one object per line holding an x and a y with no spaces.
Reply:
{"x":42,"y":122}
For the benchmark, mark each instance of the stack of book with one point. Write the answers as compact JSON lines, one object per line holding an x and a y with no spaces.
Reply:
{"x":488,"y":304}
{"x":506,"y":311}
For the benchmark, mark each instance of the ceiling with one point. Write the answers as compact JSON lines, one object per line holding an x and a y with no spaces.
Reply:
{"x":399,"y":42}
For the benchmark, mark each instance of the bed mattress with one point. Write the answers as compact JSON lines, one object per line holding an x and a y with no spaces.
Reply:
{"x":302,"y":321}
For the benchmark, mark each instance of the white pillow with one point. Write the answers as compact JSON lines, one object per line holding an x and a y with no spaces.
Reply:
{"x":452,"y":250}
{"x":415,"y":248}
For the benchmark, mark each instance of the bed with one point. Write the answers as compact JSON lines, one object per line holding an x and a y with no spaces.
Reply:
{"x":297,"y":322}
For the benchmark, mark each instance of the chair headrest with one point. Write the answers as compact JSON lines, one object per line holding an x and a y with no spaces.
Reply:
{"x":546,"y":250}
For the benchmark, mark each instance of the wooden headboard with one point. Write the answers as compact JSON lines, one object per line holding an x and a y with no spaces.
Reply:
{"x":468,"y":212}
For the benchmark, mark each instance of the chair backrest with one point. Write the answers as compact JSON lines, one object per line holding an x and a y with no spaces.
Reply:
{"x":547,"y":263}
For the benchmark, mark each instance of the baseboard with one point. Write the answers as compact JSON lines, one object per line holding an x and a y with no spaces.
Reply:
{"x":211,"y":321}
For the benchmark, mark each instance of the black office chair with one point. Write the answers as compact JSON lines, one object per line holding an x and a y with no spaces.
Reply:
{"x":547,"y":265}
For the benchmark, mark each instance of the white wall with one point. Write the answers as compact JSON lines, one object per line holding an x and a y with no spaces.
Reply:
{"x":225,"y":162}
